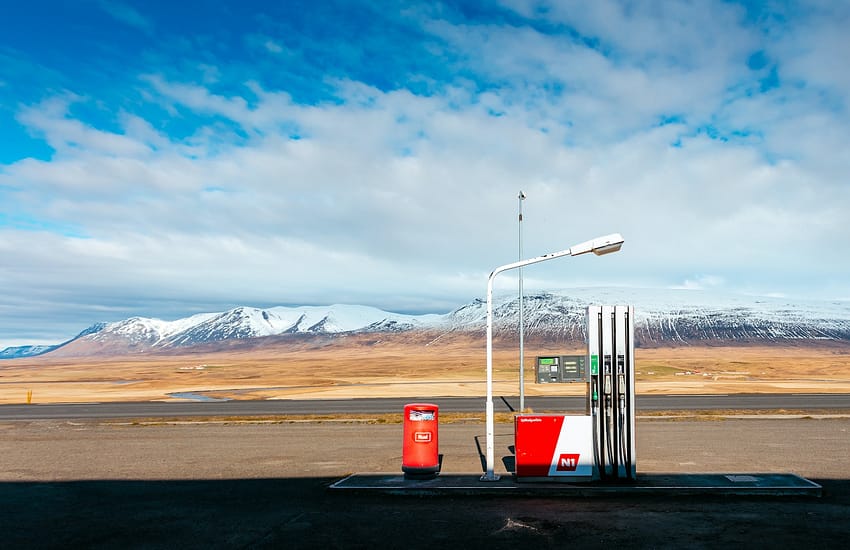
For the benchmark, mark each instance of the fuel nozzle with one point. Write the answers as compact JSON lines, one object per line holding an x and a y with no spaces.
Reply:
{"x":594,"y":397}
{"x":606,"y":390}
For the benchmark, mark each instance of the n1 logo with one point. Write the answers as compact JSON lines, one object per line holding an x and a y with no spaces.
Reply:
{"x":567,"y":463}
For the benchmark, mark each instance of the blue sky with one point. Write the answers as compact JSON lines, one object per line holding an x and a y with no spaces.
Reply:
{"x":166,"y":158}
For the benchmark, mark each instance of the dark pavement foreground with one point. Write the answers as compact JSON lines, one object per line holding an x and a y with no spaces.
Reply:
{"x":101,"y":485}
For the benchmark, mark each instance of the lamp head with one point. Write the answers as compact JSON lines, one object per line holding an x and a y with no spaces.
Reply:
{"x":608,"y":248}
{"x":521,"y":196}
{"x":599,"y":246}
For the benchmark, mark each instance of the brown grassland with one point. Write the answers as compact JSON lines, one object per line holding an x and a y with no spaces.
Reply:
{"x":387,"y":365}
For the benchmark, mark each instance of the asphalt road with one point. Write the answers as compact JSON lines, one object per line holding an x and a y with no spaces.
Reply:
{"x":644,"y":403}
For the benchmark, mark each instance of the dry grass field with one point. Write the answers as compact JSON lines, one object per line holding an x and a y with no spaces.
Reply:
{"x":402,"y":366}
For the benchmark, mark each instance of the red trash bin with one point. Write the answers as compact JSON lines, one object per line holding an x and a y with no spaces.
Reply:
{"x":421,"y":450}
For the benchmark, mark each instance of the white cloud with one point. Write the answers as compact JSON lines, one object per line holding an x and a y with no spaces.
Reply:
{"x":273,"y":46}
{"x":127,"y":15}
{"x":64,"y":133}
{"x":639,"y":66}
{"x":407,"y":201}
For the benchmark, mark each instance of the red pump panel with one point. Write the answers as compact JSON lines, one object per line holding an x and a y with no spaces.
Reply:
{"x":549,"y":446}
{"x":421,"y":450}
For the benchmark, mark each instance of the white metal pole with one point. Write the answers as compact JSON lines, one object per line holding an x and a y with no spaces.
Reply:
{"x":490,"y":475}
{"x":521,"y":198}
{"x":599,"y":246}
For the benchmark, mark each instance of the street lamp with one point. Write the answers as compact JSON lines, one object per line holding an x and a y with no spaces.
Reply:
{"x":521,"y":198}
{"x":599,"y":246}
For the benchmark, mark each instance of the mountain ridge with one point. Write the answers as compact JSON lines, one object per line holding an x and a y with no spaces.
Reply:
{"x":662,"y":317}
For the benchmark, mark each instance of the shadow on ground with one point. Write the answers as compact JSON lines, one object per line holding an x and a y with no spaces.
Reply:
{"x":302,"y":513}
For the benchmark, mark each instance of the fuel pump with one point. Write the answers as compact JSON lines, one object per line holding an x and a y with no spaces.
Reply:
{"x":600,"y":444}
{"x":611,"y":394}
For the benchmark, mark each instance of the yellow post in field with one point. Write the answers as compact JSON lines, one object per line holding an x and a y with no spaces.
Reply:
{"x":29,"y":397}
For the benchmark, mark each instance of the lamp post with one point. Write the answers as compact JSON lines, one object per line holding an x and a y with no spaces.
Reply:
{"x":599,"y":246}
{"x":521,"y":198}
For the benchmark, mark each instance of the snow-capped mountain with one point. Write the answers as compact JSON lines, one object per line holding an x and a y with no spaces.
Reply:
{"x":670,"y":316}
{"x":247,"y":322}
{"x":662,"y":317}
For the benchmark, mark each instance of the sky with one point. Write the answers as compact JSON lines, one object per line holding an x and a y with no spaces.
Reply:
{"x":162,"y":158}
